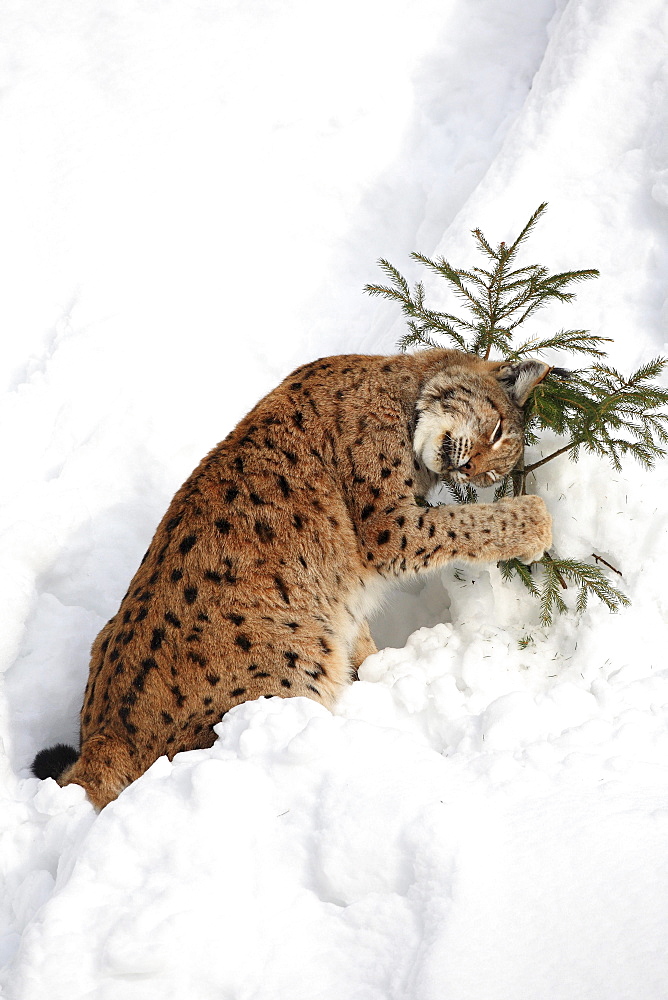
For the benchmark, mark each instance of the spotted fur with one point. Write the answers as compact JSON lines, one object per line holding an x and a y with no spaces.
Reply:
{"x":261,"y":574}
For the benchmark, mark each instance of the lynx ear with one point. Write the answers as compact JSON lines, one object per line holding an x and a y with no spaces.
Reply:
{"x":520,"y":378}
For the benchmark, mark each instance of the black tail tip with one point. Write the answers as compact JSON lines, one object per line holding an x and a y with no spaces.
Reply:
{"x":52,"y":762}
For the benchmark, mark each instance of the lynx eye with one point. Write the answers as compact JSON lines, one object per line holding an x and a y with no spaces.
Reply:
{"x":497,"y":432}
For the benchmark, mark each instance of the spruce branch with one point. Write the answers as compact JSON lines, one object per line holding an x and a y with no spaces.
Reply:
{"x":594,"y":410}
{"x":498,"y":299}
{"x":566,"y":340}
{"x":461,"y":492}
{"x":553,"y":575}
{"x":550,"y":598}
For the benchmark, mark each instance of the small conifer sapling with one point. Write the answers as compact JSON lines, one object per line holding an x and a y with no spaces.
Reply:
{"x":594,"y":409}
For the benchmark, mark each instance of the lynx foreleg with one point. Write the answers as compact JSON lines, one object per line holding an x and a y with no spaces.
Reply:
{"x":412,"y":539}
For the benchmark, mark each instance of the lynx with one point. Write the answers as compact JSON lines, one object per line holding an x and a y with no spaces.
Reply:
{"x":262,"y":573}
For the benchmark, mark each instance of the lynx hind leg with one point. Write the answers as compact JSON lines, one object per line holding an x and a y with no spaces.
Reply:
{"x":364,"y":646}
{"x":104,"y":768}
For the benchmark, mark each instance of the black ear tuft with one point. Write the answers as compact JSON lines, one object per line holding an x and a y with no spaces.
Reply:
{"x":52,"y":762}
{"x":520,"y":378}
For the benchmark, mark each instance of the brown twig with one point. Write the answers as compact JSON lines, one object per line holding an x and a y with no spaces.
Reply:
{"x":557,"y":573}
{"x":519,"y":478}
{"x":548,"y":458}
{"x":606,"y":563}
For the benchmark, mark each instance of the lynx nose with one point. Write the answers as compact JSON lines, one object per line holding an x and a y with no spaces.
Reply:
{"x":471,"y":468}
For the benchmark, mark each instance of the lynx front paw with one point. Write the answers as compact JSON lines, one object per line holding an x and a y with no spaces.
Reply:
{"x":534,"y":527}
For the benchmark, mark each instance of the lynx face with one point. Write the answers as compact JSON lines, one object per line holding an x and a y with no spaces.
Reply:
{"x":470,"y":425}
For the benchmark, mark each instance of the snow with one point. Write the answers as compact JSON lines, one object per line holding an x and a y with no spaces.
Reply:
{"x":193,"y":196}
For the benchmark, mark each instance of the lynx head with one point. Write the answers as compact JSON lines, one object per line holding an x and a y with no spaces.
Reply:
{"x":470,"y":424}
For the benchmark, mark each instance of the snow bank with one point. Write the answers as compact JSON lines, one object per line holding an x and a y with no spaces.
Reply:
{"x":193,"y":198}
{"x":316,"y":855}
